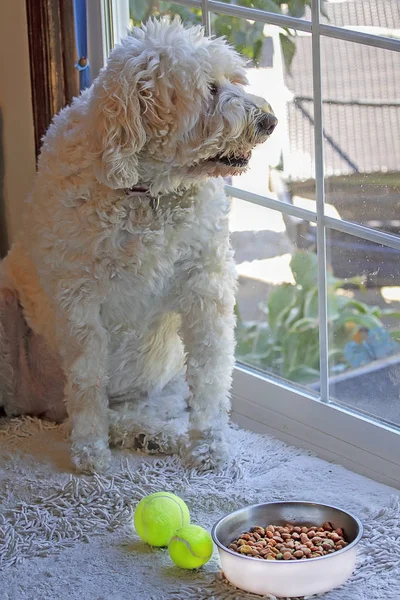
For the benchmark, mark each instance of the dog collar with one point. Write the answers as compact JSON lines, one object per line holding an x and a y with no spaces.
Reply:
{"x":141,"y":190}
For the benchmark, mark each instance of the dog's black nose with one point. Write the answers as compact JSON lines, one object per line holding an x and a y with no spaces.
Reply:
{"x":267,"y":123}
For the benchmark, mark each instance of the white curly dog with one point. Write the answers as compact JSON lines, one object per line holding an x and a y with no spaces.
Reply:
{"x":117,"y":299}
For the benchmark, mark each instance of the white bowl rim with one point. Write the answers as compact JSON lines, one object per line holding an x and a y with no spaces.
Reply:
{"x":289,"y":562}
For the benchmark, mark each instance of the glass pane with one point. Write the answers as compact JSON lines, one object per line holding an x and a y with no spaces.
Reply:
{"x":283,"y":167}
{"x":290,"y":8}
{"x":361,"y":112}
{"x":277,"y":299}
{"x":379,"y":17}
{"x":364,"y":325}
{"x":141,"y":10}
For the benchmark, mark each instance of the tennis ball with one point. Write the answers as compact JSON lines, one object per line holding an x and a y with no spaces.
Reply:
{"x":158,"y":516}
{"x":191,"y":547}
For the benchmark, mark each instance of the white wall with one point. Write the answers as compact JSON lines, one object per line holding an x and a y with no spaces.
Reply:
{"x":17,"y":150}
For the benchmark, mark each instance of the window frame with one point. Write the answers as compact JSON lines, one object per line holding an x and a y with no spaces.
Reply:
{"x":262,"y":402}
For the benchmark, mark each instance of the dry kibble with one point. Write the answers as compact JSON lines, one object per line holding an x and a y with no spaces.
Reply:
{"x":339,"y":532}
{"x":311,"y":534}
{"x":297,"y":529}
{"x":269,"y":534}
{"x":290,"y":542}
{"x":259,"y":530}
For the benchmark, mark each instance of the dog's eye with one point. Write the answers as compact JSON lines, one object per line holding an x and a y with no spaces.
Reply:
{"x":213,"y":89}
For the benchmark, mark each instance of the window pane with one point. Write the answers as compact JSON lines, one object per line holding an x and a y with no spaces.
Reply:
{"x":379,"y":17}
{"x":361,"y":112}
{"x":364,"y":325}
{"x":277,"y":300}
{"x":141,"y":10}
{"x":290,"y":8}
{"x":280,"y":163}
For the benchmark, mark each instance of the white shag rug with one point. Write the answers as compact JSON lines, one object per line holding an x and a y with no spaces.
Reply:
{"x":68,"y":537}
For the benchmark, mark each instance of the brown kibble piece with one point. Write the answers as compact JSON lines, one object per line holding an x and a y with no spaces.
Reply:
{"x":259,"y":530}
{"x":297,"y":529}
{"x":311,"y":534}
{"x":304,"y":530}
{"x":339,"y":532}
{"x":298,"y":554}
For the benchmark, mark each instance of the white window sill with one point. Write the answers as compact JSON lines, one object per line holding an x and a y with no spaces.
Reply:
{"x":267,"y":406}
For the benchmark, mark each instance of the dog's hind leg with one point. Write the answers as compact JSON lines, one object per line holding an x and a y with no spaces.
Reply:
{"x":9,"y":309}
{"x":31,"y":379}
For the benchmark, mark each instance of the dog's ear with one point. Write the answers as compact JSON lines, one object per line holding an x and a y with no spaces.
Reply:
{"x":116,"y":129}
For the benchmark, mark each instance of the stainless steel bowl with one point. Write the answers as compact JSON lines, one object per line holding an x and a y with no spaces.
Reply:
{"x":287,"y":578}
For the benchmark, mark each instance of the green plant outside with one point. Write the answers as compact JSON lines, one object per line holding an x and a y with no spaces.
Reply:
{"x":247,"y":37}
{"x":286,"y":342}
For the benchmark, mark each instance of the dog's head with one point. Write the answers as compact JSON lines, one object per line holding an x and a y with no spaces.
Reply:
{"x":170,"y":104}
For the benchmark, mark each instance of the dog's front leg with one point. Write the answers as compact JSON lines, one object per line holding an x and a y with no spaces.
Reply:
{"x":208,"y":332}
{"x":83,"y":344}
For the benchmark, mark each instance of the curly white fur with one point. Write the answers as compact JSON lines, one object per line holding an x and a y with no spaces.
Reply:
{"x":138,"y":304}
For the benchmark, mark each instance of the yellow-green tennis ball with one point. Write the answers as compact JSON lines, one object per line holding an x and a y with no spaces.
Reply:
{"x":158,"y":516}
{"x":191,"y":547}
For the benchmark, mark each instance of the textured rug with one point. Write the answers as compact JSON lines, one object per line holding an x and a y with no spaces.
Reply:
{"x":64,"y":536}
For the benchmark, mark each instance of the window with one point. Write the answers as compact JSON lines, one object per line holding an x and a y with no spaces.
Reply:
{"x":315,"y":222}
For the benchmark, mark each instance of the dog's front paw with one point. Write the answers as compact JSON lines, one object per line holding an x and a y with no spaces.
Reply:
{"x":206,"y":451}
{"x":91,"y":457}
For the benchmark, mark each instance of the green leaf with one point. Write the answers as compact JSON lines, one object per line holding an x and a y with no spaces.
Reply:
{"x":303,"y":374}
{"x":333,"y":306}
{"x":304,"y":266}
{"x":281,"y":298}
{"x":303,"y":325}
{"x":288,"y":50}
{"x":268,"y":5}
{"x":388,"y":312}
{"x":358,"y":281}
{"x":323,"y":10}
{"x":360,"y":306}
{"x":311,"y":303}
{"x":395,"y":334}
{"x":296,"y":8}
{"x":368,"y":321}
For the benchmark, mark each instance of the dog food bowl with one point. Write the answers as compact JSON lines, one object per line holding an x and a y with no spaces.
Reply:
{"x":287,"y":578}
